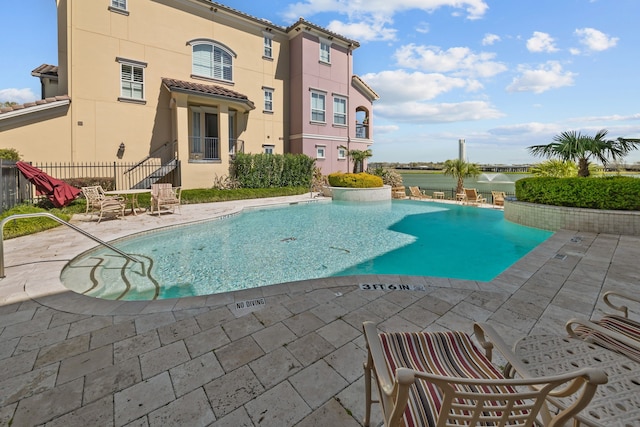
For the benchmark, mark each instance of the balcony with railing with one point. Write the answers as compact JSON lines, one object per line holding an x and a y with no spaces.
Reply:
{"x":204,"y":148}
{"x":362,"y":131}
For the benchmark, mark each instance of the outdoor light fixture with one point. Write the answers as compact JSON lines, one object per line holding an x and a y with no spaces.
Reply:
{"x":120,"y":153}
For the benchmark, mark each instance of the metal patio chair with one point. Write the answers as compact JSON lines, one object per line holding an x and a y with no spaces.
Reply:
{"x":442,"y":379}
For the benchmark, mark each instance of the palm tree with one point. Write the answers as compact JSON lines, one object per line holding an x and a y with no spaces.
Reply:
{"x":579,"y":148}
{"x":460,"y":170}
{"x":555,"y":168}
{"x":358,"y":157}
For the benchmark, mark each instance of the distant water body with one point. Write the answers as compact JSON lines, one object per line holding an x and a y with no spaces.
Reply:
{"x":484,"y":183}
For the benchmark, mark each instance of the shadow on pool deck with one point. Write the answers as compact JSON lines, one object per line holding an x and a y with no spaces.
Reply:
{"x":70,"y":360}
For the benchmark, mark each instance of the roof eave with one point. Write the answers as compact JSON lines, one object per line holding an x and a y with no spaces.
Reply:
{"x":365,"y":88}
{"x":245,"y":102}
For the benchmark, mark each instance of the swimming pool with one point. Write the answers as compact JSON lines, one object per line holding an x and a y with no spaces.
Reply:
{"x":305,"y":241}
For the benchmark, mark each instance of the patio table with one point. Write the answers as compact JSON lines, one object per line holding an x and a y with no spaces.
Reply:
{"x":616,"y":403}
{"x":131,"y":195}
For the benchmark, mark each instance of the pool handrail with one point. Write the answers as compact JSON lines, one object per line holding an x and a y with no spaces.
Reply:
{"x":61,"y":221}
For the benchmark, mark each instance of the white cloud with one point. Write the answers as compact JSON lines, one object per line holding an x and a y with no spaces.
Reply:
{"x":371,"y":30}
{"x":399,"y":86}
{"x":356,"y":9}
{"x":421,"y":113}
{"x":490,"y":39}
{"x":383,"y":129}
{"x":19,"y":96}
{"x":458,"y":60}
{"x":532,"y":128}
{"x":546,"y":77}
{"x":595,"y":40}
{"x":612,"y":118}
{"x":423,"y":28}
{"x":541,"y":42}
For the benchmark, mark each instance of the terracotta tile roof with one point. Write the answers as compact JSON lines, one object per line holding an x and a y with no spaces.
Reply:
{"x":34,"y":104}
{"x":215,"y":90}
{"x":359,"y":80}
{"x":214,"y":6}
{"x":45,"y":70}
{"x":306,"y":23}
{"x":240,"y":13}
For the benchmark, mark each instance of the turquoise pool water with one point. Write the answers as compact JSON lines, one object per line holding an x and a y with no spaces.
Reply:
{"x":306,"y":241}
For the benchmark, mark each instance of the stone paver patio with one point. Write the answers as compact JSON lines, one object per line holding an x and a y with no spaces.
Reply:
{"x":71,"y":360}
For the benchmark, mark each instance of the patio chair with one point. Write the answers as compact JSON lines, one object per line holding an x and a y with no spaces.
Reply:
{"x":498,"y":198}
{"x":472,"y":196}
{"x":92,"y":196}
{"x":165,"y":196}
{"x":616,"y":332}
{"x":398,"y":192}
{"x":111,"y":206}
{"x":442,"y":379}
{"x":95,"y":198}
{"x":415,"y":193}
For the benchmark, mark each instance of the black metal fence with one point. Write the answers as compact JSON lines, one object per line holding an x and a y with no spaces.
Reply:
{"x":113,"y":175}
{"x":14,"y":187}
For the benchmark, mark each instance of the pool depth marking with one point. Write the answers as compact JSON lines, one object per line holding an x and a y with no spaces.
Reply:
{"x":390,"y":287}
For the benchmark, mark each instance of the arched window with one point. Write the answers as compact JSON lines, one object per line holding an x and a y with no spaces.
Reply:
{"x":212,"y":60}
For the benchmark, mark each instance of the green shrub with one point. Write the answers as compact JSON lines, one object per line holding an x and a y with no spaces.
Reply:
{"x":9,"y":154}
{"x":355,"y":180}
{"x":612,"y":193}
{"x":272,"y":170}
{"x":389,"y":176}
{"x":107,"y":183}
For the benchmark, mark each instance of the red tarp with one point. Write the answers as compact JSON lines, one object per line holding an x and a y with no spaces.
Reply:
{"x":59,"y":192}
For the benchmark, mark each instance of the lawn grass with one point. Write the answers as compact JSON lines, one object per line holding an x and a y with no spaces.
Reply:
{"x":26,"y":226}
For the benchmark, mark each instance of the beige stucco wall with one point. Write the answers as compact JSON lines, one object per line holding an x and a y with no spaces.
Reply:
{"x":157,"y":35}
{"x":45,"y":136}
{"x":91,"y":37}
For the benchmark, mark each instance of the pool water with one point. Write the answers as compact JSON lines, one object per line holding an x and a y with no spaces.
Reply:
{"x":306,"y":241}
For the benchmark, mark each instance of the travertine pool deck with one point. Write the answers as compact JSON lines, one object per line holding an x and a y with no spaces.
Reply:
{"x":71,"y":360}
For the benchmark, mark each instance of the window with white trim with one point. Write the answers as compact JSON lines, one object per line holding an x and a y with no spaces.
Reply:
{"x":268,"y":99}
{"x":268,"y":47}
{"x":318,"y":106}
{"x":325,"y":51}
{"x":342,"y":153}
{"x":339,"y":110}
{"x":320,"y":151}
{"x":131,"y":80}
{"x":268,"y":149}
{"x":119,"y":4}
{"x":213,"y":61}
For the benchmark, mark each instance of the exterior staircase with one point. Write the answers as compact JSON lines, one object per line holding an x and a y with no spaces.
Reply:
{"x":157,"y":165}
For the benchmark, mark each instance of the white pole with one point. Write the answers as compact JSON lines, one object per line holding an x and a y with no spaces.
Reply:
{"x":462,"y":155}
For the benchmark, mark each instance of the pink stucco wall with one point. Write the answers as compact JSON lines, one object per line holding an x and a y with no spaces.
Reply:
{"x":308,"y":73}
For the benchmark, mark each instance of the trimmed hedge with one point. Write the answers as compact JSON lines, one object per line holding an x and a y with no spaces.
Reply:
{"x":272,"y":170}
{"x":611,"y":193}
{"x":355,"y":180}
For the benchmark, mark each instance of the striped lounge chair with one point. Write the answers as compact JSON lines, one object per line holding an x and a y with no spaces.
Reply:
{"x":442,"y":379}
{"x":616,"y":332}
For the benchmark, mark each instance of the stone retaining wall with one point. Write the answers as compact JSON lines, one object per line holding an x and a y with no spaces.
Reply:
{"x":554,"y":218}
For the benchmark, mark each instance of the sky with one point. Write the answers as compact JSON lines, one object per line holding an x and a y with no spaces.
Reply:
{"x":501,"y":74}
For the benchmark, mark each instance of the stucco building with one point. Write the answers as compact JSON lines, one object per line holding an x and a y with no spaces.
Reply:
{"x":191,"y":81}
